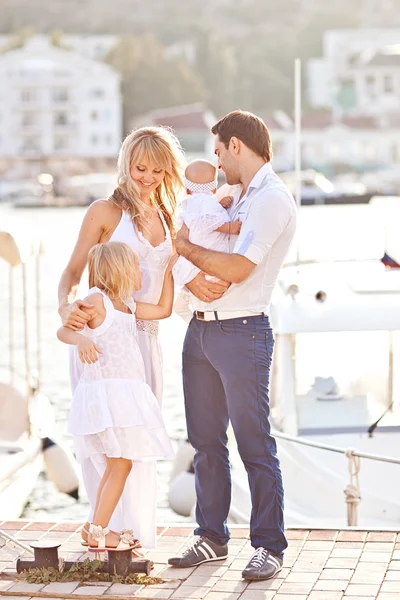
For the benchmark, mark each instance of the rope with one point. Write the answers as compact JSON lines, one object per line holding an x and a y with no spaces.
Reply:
{"x":352,"y":491}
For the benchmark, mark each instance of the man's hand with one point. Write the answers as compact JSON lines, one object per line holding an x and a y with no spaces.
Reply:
{"x":205,"y":290}
{"x":73,"y":317}
{"x":226,"y":202}
{"x":181,"y":238}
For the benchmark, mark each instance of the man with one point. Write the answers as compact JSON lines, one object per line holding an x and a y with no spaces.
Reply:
{"x":228,"y":349}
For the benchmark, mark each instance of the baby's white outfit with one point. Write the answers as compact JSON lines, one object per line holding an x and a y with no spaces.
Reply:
{"x":202,"y":214}
{"x":113,"y":411}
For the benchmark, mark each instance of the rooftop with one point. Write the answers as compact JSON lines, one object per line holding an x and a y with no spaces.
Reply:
{"x":319,"y":565}
{"x":185,"y":117}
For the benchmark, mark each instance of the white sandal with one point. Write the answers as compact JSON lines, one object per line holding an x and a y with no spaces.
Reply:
{"x":99,"y":534}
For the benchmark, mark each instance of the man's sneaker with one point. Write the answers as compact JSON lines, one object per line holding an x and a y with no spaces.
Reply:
{"x":204,"y":550}
{"x":262,"y":565}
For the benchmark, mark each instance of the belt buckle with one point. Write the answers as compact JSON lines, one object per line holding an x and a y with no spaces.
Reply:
{"x":200,"y":315}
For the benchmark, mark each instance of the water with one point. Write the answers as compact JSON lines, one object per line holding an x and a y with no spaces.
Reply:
{"x":324,"y":232}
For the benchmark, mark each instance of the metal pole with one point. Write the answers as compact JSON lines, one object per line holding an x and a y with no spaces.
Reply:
{"x":297,"y":139}
{"x":390,"y":372}
{"x":38,"y":325}
{"x":11,"y":321}
{"x":297,"y":127}
{"x":26,"y":339}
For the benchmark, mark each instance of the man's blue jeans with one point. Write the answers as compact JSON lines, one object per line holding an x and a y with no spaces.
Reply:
{"x":226,"y":366}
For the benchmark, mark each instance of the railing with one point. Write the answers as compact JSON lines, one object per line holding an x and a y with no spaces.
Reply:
{"x":297,"y":440}
{"x":352,"y":490}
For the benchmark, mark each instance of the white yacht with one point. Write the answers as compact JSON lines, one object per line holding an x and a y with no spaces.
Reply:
{"x":334,"y":388}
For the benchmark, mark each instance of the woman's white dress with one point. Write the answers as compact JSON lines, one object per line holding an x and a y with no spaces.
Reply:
{"x":137,"y":507}
{"x":113,"y":412}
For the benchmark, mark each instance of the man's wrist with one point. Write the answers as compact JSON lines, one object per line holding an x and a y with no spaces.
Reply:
{"x":185,"y":248}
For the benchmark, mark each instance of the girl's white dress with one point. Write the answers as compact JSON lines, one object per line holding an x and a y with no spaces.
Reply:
{"x":114,"y":413}
{"x":137,"y":508}
{"x":202,"y":214}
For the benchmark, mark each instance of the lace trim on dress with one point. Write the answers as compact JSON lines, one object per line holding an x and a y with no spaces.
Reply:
{"x":158,"y":251}
{"x":151,"y":327}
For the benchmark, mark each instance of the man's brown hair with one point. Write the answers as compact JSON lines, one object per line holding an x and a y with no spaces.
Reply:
{"x":248,"y":128}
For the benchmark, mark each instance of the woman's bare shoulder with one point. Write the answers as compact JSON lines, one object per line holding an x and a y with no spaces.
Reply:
{"x":103,"y":207}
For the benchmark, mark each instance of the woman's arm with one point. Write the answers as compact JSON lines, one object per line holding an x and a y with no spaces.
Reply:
{"x":88,"y":351}
{"x":162,"y":310}
{"x":70,"y":310}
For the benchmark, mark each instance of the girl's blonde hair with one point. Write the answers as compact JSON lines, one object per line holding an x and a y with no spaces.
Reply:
{"x":162,"y":147}
{"x":113,"y":268}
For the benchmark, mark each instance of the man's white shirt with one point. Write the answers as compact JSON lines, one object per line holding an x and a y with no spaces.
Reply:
{"x":268,"y":214}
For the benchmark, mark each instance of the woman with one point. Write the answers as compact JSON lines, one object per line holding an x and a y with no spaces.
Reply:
{"x":140,"y":212}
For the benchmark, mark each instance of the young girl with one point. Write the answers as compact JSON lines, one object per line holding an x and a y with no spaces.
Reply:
{"x":114,"y":414}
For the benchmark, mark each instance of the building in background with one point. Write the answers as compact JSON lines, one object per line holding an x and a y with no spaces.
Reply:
{"x":358,"y":74}
{"x":191,"y":124}
{"x":58,"y":107}
{"x":95,"y":47}
{"x":329,"y":144}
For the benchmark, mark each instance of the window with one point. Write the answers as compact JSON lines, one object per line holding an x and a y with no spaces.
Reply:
{"x":370,"y":84}
{"x":97,"y":93}
{"x":28,"y":95}
{"x":28,"y":119}
{"x":60,"y":95}
{"x":94,"y":115}
{"x":109,"y":140}
{"x":60,"y":143}
{"x":60,"y":118}
{"x":388,"y":84}
{"x":30,"y":144}
{"x":95,"y":140}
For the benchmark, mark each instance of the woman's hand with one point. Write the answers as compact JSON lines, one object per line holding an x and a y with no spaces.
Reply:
{"x":205,"y":290}
{"x":73,"y":317}
{"x":87,"y":350}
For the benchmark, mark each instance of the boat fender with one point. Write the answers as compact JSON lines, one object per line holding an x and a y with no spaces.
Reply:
{"x":183,"y":459}
{"x":182,"y":494}
{"x":59,"y":468}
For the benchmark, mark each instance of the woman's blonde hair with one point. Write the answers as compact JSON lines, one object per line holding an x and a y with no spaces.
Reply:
{"x":113,"y":268}
{"x":162,"y":147}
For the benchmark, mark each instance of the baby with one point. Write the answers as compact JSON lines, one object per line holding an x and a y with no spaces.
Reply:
{"x":208,"y":222}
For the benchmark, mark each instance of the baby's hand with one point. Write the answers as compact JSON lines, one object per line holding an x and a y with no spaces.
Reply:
{"x":226,"y":202}
{"x":235,"y":227}
{"x":87,"y":350}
